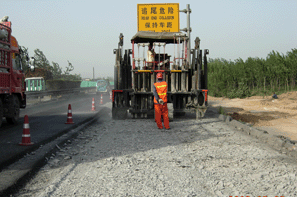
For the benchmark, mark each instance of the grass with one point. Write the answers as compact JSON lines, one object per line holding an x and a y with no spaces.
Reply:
{"x":222,"y":111}
{"x":267,"y":92}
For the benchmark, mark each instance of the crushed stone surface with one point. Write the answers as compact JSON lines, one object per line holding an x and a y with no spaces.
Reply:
{"x":194,"y":158}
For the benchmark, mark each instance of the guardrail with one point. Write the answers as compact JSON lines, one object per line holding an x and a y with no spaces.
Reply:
{"x":59,"y":92}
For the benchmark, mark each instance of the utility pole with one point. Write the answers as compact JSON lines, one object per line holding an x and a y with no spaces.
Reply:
{"x":93,"y":73}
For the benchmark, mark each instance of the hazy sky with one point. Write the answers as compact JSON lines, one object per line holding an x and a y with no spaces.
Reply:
{"x":86,"y":32}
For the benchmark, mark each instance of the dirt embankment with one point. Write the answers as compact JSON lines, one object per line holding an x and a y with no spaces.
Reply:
{"x":278,"y":116}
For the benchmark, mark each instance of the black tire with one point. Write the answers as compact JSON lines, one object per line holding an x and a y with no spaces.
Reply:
{"x":16,"y":110}
{"x":1,"y":112}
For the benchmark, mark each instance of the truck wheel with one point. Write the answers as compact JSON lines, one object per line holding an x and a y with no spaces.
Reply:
{"x":15,"y":110}
{"x":1,"y":112}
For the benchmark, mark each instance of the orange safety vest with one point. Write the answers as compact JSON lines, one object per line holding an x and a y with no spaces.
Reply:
{"x":161,"y":89}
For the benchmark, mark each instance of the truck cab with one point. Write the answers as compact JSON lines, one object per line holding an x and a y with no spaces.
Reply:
{"x":12,"y":77}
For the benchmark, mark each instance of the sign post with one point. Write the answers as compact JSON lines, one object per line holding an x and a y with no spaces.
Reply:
{"x":158,"y":17}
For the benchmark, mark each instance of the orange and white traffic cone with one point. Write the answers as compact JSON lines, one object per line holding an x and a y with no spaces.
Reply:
{"x":69,"y":116}
{"x":101,"y":101}
{"x":26,"y":138}
{"x":93,"y":105}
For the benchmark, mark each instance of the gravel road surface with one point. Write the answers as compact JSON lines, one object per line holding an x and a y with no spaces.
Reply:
{"x":194,"y":158}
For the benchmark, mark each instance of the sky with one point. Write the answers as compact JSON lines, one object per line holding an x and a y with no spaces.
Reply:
{"x":85,"y":32}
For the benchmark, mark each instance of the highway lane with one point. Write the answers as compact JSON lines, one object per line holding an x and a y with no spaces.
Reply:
{"x":47,"y":121}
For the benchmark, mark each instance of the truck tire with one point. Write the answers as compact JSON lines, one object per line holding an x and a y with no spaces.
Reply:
{"x":15,"y":113}
{"x":1,"y":112}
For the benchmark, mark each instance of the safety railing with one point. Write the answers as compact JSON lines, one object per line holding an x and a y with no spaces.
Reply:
{"x":59,"y":92}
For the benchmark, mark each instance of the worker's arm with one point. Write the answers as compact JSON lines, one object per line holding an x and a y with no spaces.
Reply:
{"x":155,"y":93}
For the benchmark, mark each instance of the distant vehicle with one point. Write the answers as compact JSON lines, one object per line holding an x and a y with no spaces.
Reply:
{"x":87,"y":84}
{"x":103,"y":87}
{"x":35,"y":84}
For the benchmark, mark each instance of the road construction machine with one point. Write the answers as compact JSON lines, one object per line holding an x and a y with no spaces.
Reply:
{"x":12,"y":77}
{"x":185,"y":72}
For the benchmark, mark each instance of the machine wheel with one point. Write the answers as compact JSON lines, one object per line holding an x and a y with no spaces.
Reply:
{"x":199,"y":114}
{"x":15,"y":110}
{"x":1,"y":112}
{"x":119,"y":113}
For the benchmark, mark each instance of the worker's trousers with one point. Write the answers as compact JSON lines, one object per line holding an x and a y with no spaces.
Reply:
{"x":161,"y":110}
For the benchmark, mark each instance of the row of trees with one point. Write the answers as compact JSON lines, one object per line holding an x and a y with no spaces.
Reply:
{"x":255,"y":76}
{"x":47,"y":70}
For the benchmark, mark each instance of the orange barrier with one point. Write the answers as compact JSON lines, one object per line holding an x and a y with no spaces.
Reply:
{"x":26,"y":137}
{"x":101,"y":101}
{"x":93,"y":105}
{"x":69,"y":116}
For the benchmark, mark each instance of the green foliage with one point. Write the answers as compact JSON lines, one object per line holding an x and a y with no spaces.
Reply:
{"x":41,"y":60}
{"x":62,"y":84}
{"x":221,"y":110}
{"x":74,"y":77}
{"x":40,"y":72}
{"x":106,"y":78}
{"x":255,"y":76}
{"x":56,"y":71}
{"x":69,"y":68}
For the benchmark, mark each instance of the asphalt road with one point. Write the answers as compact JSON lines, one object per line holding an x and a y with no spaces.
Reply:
{"x":47,"y":122}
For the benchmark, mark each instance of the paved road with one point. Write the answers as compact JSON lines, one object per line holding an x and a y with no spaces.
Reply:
{"x":47,"y":121}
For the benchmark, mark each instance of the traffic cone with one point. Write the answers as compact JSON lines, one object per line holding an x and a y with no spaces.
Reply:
{"x":101,"y":102}
{"x":69,"y":116}
{"x":26,"y":138}
{"x":93,"y":105}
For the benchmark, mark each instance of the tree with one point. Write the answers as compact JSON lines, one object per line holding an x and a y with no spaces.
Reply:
{"x":40,"y":72}
{"x":40,"y":60}
{"x":56,"y":70}
{"x":69,"y":68}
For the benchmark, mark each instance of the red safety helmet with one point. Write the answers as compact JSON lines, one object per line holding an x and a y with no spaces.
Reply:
{"x":159,"y":76}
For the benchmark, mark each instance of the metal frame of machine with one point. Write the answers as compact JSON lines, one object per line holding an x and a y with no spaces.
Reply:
{"x":185,"y":75}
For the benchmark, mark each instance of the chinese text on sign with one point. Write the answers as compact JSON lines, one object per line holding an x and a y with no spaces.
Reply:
{"x":158,"y":17}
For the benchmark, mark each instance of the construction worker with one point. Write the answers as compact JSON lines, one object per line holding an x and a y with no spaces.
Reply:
{"x":160,"y":102}
{"x":150,"y":57}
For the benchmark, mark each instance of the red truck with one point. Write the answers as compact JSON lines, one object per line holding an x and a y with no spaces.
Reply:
{"x":12,"y":76}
